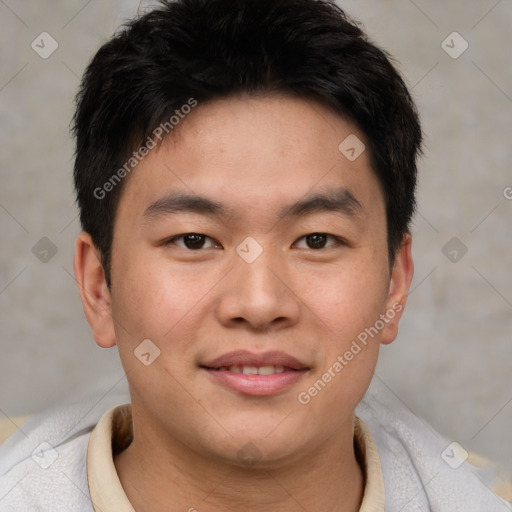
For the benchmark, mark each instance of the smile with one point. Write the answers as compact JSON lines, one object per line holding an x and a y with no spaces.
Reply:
{"x":253,"y":370}
{"x":263,"y":374}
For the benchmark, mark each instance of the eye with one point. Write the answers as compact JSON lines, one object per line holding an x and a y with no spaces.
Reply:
{"x":318,"y":241}
{"x":193,"y":241}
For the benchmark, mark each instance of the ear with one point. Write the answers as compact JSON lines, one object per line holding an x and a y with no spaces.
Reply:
{"x":400,"y":282}
{"x":94,"y":291}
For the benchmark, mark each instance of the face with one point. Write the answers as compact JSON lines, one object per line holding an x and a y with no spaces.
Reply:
{"x":253,"y":254}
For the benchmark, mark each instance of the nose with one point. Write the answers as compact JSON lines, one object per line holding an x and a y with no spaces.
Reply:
{"x":258,"y":295}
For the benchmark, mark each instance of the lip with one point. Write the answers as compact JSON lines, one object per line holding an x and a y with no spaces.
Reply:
{"x":256,"y":385}
{"x":246,"y":358}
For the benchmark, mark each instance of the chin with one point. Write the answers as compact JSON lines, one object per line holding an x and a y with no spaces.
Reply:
{"x":269,"y":446}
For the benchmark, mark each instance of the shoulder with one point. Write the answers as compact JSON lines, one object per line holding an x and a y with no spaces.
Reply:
{"x":423,"y":470}
{"x":43,"y":464}
{"x":52,"y":478}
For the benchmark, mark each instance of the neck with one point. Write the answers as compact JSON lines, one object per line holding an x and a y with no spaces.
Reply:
{"x":156,"y":474}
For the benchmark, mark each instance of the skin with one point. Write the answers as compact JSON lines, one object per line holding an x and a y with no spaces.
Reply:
{"x":253,"y":155}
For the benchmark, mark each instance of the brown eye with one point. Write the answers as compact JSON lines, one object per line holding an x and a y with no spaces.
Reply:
{"x":317,"y":241}
{"x":193,"y":241}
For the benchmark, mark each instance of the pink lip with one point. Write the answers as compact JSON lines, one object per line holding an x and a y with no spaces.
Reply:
{"x":256,"y":385}
{"x":245,"y":358}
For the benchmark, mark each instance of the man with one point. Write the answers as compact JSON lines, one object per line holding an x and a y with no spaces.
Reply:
{"x":245,"y":172}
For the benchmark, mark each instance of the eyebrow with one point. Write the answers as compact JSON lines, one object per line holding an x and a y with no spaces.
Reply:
{"x":339,"y":200}
{"x":177,"y":202}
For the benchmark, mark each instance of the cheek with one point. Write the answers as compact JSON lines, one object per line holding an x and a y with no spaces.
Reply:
{"x":340,"y":381}
{"x":348,"y":298}
{"x":140,"y":302}
{"x":153,"y":300}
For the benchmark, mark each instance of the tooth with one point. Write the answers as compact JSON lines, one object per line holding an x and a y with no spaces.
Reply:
{"x":235,"y":369}
{"x":266,"y":370}
{"x":279,"y":369}
{"x":250,"y":370}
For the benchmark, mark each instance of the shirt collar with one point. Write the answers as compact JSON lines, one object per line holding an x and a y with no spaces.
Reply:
{"x":114,"y":433}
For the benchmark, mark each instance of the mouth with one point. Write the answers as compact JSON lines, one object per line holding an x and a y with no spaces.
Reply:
{"x":252,"y":370}
{"x":263,"y":374}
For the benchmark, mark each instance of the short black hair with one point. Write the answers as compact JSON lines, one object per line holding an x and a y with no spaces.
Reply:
{"x":198,"y":51}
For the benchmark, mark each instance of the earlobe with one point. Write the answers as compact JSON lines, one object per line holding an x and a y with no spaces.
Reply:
{"x":400,"y":282}
{"x":94,"y":292}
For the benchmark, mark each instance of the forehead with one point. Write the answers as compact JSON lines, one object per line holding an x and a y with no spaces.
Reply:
{"x":256,"y":154}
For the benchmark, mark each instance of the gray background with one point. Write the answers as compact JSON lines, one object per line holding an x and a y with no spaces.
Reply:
{"x":452,"y":361}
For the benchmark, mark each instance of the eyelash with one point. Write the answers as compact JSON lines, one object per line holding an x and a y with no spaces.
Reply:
{"x":339,"y":241}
